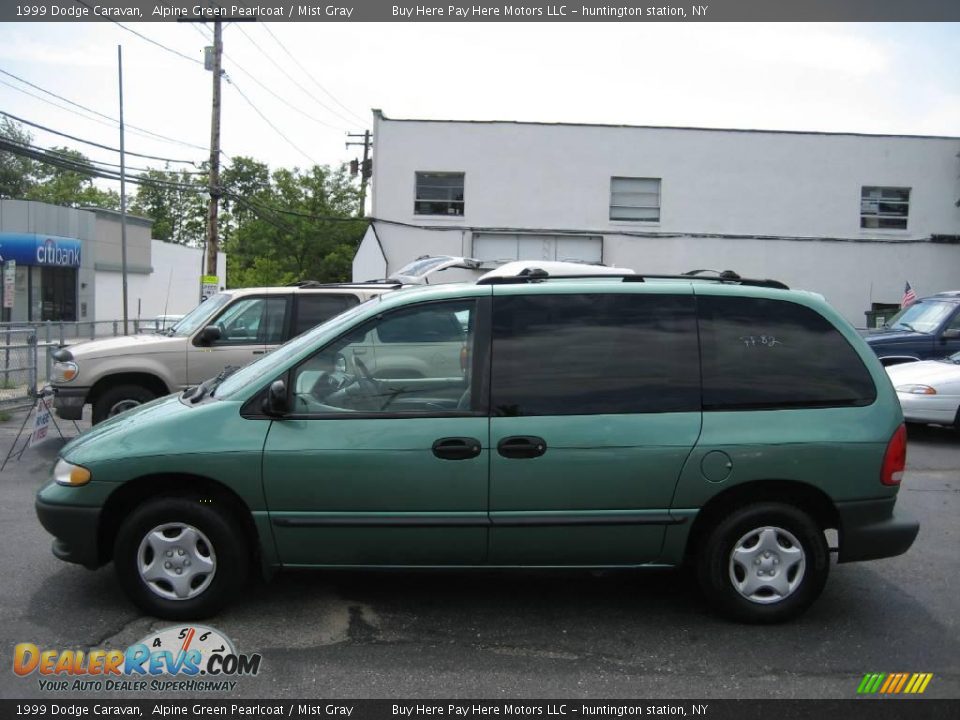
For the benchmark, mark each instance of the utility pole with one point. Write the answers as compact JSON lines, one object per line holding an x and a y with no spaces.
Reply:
{"x":123,"y":192}
{"x":365,"y":170}
{"x":213,"y":239}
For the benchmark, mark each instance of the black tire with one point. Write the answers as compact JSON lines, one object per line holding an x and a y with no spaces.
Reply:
{"x":223,"y":540}
{"x":109,"y":399}
{"x":715,"y":566}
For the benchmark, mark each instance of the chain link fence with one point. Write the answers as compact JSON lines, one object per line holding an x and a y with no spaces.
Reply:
{"x":26,"y":351}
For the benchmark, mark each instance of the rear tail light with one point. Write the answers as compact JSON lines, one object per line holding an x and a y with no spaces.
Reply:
{"x":895,"y":458}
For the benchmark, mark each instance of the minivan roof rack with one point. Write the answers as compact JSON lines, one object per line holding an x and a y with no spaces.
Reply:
{"x":727,"y":276}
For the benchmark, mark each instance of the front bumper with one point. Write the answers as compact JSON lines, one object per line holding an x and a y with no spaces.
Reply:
{"x":69,"y":401}
{"x":74,"y":529}
{"x":870,"y":529}
{"x":941,"y":409}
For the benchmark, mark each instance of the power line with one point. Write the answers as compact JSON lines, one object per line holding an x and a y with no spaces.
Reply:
{"x":47,"y":158}
{"x":291,"y":78}
{"x":144,"y":37}
{"x":94,"y":162}
{"x":267,"y":120}
{"x":294,"y":213}
{"x":307,"y":73}
{"x":280,"y":97}
{"x":95,"y":144}
{"x":113,"y":120}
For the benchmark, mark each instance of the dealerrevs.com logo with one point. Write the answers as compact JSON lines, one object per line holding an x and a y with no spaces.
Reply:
{"x":182,"y":658}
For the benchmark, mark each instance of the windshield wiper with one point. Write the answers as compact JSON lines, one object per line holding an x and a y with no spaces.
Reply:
{"x":905,"y":325}
{"x":198,"y":392}
{"x":224,"y":374}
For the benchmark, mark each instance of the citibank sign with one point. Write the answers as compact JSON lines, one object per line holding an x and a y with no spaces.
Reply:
{"x":31,"y":249}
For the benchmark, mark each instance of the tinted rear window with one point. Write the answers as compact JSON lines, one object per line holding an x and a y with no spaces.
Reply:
{"x":315,"y":309}
{"x":774,"y":354}
{"x":594,"y":354}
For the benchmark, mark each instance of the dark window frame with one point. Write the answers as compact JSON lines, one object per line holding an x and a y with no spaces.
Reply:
{"x":451,"y":203}
{"x":885,"y":216}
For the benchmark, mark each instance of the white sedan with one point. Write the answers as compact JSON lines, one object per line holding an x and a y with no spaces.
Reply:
{"x":929,"y":391}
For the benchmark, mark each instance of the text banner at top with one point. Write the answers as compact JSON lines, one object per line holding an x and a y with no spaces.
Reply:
{"x":481,"y":11}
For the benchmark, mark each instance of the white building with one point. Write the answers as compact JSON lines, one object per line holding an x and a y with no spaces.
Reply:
{"x":853,"y":217}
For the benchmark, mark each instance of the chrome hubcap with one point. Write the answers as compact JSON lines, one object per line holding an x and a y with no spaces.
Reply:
{"x":767,"y":565}
{"x":122,"y":406}
{"x":176,"y":561}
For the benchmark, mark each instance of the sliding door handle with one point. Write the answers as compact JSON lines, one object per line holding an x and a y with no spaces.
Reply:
{"x":517,"y":447}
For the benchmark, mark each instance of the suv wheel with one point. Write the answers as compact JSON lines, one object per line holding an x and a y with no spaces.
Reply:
{"x":117,"y":399}
{"x":764,"y":563}
{"x":179,"y":559}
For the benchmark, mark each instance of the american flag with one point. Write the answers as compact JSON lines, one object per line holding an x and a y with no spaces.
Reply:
{"x":909,"y":296}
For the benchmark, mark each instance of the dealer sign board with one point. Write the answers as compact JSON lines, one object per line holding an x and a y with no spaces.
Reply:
{"x":33,"y":249}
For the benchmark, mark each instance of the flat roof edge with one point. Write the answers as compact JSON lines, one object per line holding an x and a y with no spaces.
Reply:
{"x":381,"y":116}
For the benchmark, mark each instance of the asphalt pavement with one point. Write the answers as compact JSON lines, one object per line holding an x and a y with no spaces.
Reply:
{"x":520,"y":634}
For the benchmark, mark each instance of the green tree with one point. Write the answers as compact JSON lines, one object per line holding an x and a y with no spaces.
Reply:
{"x":16,"y":172}
{"x":176,"y":202}
{"x":301,"y":226}
{"x":72,"y":187}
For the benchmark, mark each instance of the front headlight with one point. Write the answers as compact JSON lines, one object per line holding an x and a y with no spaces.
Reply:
{"x":64,"y":372}
{"x":916,"y":389}
{"x":69,"y":474}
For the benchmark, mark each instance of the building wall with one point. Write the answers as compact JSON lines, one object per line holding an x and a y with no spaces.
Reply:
{"x":173,"y":287}
{"x":779,"y":205}
{"x":713,"y":181}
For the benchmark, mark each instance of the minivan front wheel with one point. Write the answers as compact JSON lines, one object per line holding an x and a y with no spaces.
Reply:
{"x":763,"y":563}
{"x":180,"y":558}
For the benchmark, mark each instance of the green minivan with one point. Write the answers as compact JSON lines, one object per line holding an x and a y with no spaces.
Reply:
{"x":529,"y":420}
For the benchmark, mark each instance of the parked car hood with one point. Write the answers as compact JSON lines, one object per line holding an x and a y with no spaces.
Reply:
{"x":889,"y":336}
{"x":127,"y":345}
{"x":927,"y":372}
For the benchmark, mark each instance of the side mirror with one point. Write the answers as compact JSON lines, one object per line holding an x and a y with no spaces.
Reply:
{"x":209,"y":335}
{"x":275,"y":402}
{"x":951,"y":334}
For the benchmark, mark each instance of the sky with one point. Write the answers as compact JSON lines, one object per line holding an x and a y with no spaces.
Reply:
{"x":866,"y":78}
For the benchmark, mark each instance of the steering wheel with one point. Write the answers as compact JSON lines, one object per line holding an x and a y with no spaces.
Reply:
{"x":368,"y":385}
{"x":364,"y":370}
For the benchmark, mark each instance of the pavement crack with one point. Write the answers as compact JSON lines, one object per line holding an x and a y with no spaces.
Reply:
{"x":125,"y":625}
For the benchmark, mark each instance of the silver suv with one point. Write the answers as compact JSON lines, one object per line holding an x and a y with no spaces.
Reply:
{"x":232,"y":328}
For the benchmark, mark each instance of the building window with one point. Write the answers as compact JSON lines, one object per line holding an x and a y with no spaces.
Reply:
{"x":884,"y":207}
{"x":439,"y":193}
{"x":635,"y":199}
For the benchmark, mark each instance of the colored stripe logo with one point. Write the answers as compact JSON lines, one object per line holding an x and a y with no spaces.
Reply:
{"x":894,"y":683}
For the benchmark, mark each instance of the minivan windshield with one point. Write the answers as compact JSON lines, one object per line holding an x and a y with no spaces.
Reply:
{"x":199,"y":316}
{"x":273,"y":363}
{"x":924,"y":317}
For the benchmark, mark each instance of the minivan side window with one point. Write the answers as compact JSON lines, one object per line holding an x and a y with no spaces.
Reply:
{"x":768,"y":354}
{"x":425,"y":368}
{"x":316,"y":308}
{"x":594,"y":354}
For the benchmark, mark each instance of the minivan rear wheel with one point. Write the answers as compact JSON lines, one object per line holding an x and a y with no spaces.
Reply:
{"x":763,"y":563}
{"x":180,"y":558}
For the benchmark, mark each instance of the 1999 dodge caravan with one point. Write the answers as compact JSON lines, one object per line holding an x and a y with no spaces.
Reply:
{"x":601,"y":421}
